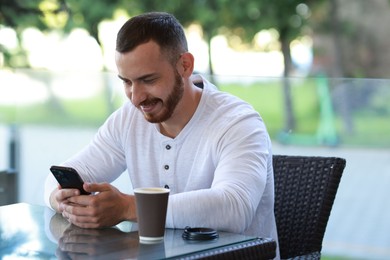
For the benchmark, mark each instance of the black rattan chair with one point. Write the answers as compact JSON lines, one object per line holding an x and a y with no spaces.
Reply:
{"x":305,"y":188}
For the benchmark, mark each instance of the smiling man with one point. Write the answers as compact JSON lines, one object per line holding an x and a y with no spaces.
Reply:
{"x":210,"y":148}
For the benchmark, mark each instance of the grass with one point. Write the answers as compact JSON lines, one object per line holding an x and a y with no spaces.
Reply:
{"x":267,"y":99}
{"x":370,"y":128}
{"x":264,"y":99}
{"x":369,"y":131}
{"x":80,"y":112}
{"x":324,"y":257}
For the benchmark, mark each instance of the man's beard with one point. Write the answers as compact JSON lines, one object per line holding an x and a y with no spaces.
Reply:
{"x":169,"y":104}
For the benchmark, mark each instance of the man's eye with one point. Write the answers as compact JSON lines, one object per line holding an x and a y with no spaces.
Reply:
{"x":127,"y":82}
{"x":149,"y":81}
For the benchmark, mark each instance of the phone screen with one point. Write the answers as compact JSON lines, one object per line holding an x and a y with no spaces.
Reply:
{"x":68,"y":178}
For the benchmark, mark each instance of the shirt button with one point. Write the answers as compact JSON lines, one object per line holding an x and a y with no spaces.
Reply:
{"x":166,"y":167}
{"x":168,"y":147}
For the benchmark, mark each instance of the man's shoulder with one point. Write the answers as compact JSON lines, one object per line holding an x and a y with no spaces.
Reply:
{"x":228,"y":103}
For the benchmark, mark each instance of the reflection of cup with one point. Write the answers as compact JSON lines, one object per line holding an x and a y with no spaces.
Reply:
{"x":151,"y":212}
{"x":151,"y":250}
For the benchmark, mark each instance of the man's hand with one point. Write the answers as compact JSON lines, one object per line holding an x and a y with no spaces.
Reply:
{"x":106,"y":207}
{"x":60,"y":196}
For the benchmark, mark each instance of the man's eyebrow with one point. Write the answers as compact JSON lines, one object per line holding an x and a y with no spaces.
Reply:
{"x":122,"y":78}
{"x":143,"y":77}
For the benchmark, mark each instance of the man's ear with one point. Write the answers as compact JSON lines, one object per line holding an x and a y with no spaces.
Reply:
{"x":186,"y":64}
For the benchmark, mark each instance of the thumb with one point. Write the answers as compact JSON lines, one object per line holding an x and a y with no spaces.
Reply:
{"x":96,"y":187}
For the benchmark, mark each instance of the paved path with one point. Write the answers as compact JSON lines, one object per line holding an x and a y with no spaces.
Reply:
{"x":359,"y":225}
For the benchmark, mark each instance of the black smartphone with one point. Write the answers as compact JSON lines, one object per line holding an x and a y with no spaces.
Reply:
{"x":68,"y":178}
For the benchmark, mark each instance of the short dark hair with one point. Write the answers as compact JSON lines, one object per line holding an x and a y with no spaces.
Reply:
{"x":162,"y":28}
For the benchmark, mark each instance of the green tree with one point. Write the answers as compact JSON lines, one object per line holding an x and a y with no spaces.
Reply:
{"x":211,"y":15}
{"x":20,"y":15}
{"x":289,"y":19}
{"x":88,"y":15}
{"x":245,"y":18}
{"x":44,"y":15}
{"x":59,"y":15}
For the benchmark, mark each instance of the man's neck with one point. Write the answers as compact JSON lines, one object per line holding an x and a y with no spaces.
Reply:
{"x":183,"y":112}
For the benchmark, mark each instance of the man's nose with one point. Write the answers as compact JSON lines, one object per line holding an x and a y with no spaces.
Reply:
{"x":137,"y":94}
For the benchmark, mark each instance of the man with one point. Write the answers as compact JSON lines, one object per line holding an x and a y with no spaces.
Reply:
{"x":211,"y":149}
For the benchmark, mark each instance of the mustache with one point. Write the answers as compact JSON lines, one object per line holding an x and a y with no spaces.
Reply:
{"x":149,"y":101}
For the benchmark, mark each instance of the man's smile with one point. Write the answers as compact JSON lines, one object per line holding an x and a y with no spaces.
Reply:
{"x":148,"y":107}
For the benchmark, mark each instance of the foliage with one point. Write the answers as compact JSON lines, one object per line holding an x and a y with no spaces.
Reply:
{"x":60,"y":15}
{"x":84,"y":14}
{"x":22,"y":14}
{"x":19,"y":15}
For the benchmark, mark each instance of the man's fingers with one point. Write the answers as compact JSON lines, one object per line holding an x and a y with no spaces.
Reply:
{"x":64,"y":194}
{"x":96,"y":187}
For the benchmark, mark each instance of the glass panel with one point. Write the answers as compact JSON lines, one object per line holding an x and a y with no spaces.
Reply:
{"x":51,"y":116}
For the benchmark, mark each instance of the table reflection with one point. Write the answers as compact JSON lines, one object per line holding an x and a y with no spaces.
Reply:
{"x":20,"y":234}
{"x":37,"y":232}
{"x":119,"y":242}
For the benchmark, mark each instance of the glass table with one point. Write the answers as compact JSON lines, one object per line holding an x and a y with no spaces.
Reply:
{"x":31,"y":231}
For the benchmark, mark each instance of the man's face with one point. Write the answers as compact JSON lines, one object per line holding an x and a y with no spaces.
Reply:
{"x":152,"y":84}
{"x":167,"y":105}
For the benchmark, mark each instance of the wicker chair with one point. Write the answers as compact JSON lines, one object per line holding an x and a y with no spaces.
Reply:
{"x":305,"y":188}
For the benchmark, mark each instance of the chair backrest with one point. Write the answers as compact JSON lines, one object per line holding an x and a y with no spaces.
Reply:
{"x":305,"y":188}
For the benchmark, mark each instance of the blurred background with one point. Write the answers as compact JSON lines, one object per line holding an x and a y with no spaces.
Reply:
{"x":316,"y":70}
